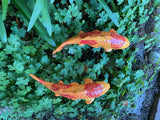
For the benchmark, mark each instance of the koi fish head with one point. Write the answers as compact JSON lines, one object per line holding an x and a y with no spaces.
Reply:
{"x":106,"y":87}
{"x":94,"y":90}
{"x":119,"y":41}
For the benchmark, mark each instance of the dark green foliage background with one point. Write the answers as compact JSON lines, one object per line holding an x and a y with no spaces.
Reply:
{"x":24,"y":53}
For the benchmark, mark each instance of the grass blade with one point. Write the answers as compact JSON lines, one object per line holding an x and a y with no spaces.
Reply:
{"x":37,"y":9}
{"x":46,"y":18}
{"x":52,"y":1}
{"x":3,"y":34}
{"x":109,"y":12}
{"x":21,"y":5}
{"x":4,"y":8}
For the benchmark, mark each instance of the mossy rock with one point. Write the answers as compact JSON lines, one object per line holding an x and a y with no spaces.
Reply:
{"x":154,"y":57}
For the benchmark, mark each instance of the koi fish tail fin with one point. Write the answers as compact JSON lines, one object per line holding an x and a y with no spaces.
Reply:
{"x":53,"y":87}
{"x":59,"y":48}
{"x":37,"y":79}
{"x":73,"y":40}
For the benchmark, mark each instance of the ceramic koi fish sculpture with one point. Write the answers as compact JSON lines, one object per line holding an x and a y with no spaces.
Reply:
{"x":88,"y":91}
{"x":107,"y":40}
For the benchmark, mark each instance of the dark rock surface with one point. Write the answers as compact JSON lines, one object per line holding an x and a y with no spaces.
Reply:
{"x":147,"y":103}
{"x":155,"y":109}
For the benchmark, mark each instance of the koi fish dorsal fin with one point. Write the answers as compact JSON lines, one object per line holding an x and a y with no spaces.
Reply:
{"x":113,"y":31}
{"x":74,"y":83}
{"x":86,"y":81}
{"x":61,"y":82}
{"x":89,"y":101}
{"x":95,"y":31}
{"x":80,"y":32}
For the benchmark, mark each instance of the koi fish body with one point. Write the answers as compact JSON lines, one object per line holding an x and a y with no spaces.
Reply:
{"x":88,"y":91}
{"x":107,"y":40}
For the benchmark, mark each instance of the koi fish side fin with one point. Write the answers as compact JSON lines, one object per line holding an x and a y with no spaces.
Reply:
{"x":81,"y":44}
{"x":61,"y":82}
{"x":37,"y":79}
{"x":56,"y":94}
{"x":108,"y":50}
{"x":74,"y":83}
{"x":80,"y":32}
{"x":89,"y":101}
{"x":86,"y":81}
{"x":113,"y":31}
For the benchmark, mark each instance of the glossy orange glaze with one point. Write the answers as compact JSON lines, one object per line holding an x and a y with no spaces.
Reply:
{"x":107,"y":40}
{"x":88,"y":91}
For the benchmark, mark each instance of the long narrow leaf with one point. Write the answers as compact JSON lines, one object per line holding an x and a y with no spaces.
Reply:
{"x":46,"y":18}
{"x":109,"y":12}
{"x":37,"y":9}
{"x":4,"y":8}
{"x":3,"y":35}
{"x":20,"y":4}
{"x":52,"y":1}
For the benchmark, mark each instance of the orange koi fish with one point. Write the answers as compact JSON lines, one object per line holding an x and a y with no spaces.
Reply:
{"x":107,"y":40}
{"x":88,"y":91}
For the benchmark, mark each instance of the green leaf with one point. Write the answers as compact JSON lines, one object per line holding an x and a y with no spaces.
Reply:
{"x":71,"y":51}
{"x":110,"y":14}
{"x":23,"y":90}
{"x":40,"y":90}
{"x":97,"y":68}
{"x":57,"y":101}
{"x":4,"y":8}
{"x":3,"y":81}
{"x":156,"y":2}
{"x":45,"y":102}
{"x":28,"y":113}
{"x":98,"y":107}
{"x":22,"y":81}
{"x":63,"y":2}
{"x":56,"y":29}
{"x":45,"y":60}
{"x":143,"y":19}
{"x":120,"y":1}
{"x":29,"y":50}
{"x":21,"y":5}
{"x":21,"y":32}
{"x":111,"y":96}
{"x":113,"y":104}
{"x":131,"y":87}
{"x":17,"y":66}
{"x":74,"y":113}
{"x":3,"y":34}
{"x":71,"y":1}
{"x":37,"y":9}
{"x":14,"y":40}
{"x":138,"y":74}
{"x":120,"y":62}
{"x":46,"y":18}
{"x":103,"y":18}
{"x":52,"y":1}
{"x":106,"y":77}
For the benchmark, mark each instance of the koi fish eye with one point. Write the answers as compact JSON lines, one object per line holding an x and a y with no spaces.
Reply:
{"x":117,"y":41}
